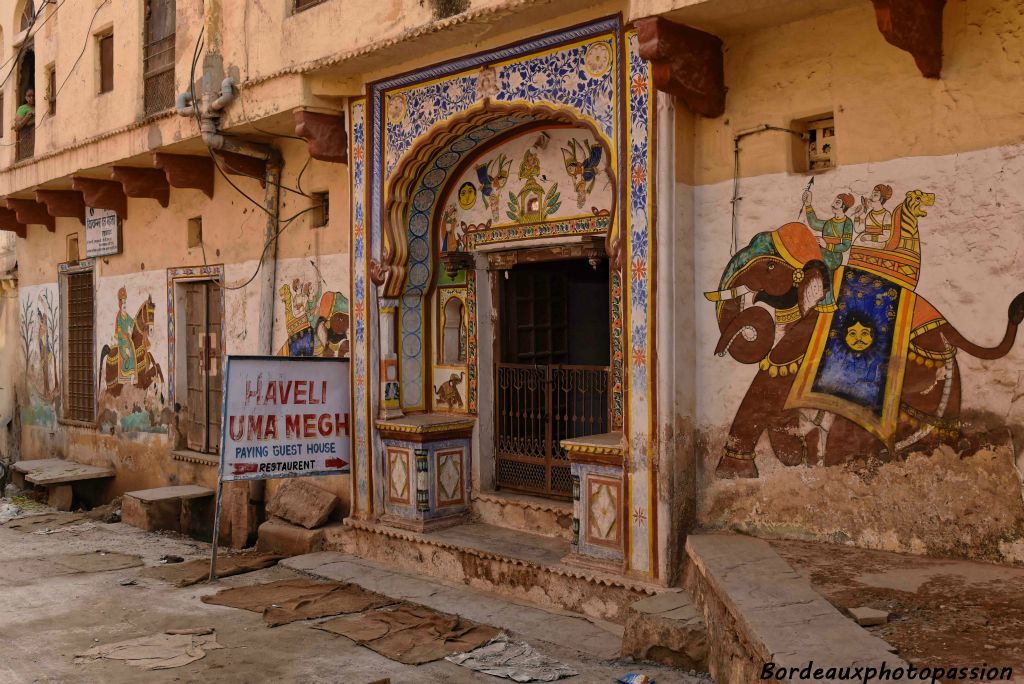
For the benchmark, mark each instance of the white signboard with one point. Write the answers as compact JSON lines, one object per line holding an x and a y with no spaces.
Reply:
{"x":285,"y":417}
{"x":102,"y":232}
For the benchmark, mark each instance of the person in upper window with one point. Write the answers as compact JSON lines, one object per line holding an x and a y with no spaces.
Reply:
{"x":26,"y":112}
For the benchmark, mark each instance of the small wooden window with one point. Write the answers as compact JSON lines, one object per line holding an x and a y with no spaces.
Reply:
{"x":81,"y":378}
{"x":51,"y":89}
{"x":816,"y":150}
{"x":106,"y":63}
{"x":306,"y":4}
{"x":73,"y":247}
{"x":321,"y":209}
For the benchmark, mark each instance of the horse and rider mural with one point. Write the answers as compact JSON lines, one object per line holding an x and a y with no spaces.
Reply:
{"x":128,"y":360}
{"x":852,"y":361}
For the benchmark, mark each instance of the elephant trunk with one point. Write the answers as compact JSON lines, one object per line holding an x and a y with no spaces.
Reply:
{"x":748,"y":336}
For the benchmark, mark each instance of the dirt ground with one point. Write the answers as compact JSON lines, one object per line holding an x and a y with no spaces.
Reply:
{"x":942,"y":612}
{"x":48,"y":614}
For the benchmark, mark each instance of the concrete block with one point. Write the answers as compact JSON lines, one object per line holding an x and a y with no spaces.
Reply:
{"x":151,"y":515}
{"x":302,"y":503}
{"x":281,"y":536}
{"x":60,"y":497}
{"x":666,"y":629}
{"x":869,"y":617}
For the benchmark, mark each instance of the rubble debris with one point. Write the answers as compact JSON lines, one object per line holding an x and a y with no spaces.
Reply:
{"x":126,"y":582}
{"x":302,"y":503}
{"x":869,"y":617}
{"x":196,"y":571}
{"x":161,"y":651}
{"x":411,"y":634}
{"x":515,"y":660}
{"x":107,"y":513}
{"x":291,"y":600}
{"x":171,"y":559}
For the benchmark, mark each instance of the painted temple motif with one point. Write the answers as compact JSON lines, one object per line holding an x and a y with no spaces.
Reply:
{"x":526,"y":148}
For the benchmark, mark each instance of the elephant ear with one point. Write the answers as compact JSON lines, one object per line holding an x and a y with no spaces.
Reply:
{"x":812,"y":288}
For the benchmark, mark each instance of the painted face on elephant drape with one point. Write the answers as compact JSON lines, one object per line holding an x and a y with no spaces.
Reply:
{"x":859,"y":337}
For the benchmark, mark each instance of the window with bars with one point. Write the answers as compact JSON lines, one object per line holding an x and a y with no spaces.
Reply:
{"x":81,"y":380}
{"x":106,"y":48}
{"x":158,"y":56}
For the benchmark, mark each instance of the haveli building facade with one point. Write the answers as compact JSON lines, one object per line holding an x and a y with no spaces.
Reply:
{"x":544,"y":233}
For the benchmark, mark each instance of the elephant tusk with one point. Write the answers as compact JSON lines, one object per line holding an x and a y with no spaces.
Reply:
{"x":722,"y":295}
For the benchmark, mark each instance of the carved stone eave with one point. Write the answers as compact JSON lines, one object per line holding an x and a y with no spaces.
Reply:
{"x":67,"y":203}
{"x":29,"y":211}
{"x":325,"y":133}
{"x":914,"y":26}
{"x":9,"y":221}
{"x":243,"y":165}
{"x":102,"y":194}
{"x":142,"y":182}
{"x":685,"y":62}
{"x":186,"y":171}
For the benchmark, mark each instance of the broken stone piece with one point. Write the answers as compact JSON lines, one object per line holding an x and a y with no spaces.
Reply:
{"x":869,"y":617}
{"x":302,"y":503}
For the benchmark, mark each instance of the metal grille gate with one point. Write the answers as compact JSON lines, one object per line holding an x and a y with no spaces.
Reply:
{"x":536,"y":408}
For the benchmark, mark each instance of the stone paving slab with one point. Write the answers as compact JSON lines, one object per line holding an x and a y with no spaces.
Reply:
{"x":169,"y":493}
{"x":534,"y":624}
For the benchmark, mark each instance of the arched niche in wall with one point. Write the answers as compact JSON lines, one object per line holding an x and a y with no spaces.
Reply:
{"x":453,"y":331}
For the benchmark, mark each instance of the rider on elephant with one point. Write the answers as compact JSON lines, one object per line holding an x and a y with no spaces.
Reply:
{"x":123,"y":327}
{"x":836,"y":238}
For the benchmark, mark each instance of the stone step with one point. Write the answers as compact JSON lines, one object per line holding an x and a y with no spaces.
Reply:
{"x":59,"y":477}
{"x":510,"y":563}
{"x":532,"y":514}
{"x":759,"y":610}
{"x":667,"y":629}
{"x":187,"y":509}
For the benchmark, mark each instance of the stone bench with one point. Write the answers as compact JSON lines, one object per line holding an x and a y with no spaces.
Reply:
{"x":759,"y":610}
{"x":182,"y":508}
{"x":59,"y":477}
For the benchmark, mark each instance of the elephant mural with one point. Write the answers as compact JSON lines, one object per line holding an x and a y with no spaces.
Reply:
{"x":873,"y":374}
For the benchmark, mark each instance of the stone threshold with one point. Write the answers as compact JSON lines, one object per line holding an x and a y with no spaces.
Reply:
{"x":498,"y":560}
{"x":523,"y":512}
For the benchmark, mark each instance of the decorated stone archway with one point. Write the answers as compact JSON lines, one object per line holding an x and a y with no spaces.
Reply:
{"x":409,"y":136}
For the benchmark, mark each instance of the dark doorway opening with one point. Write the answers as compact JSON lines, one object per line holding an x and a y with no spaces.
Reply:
{"x":552,"y":378}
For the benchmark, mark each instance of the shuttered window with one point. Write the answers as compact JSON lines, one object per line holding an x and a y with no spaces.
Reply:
{"x":80,"y":379}
{"x":106,"y":63}
{"x":158,"y":56}
{"x":306,"y":4}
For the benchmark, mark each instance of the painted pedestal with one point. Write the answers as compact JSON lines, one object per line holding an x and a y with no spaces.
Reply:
{"x":427,"y":470}
{"x":598,"y":492}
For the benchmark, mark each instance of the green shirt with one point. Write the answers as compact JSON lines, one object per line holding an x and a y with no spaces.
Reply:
{"x":24,"y":110}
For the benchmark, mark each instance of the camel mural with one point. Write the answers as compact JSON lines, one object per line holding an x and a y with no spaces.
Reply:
{"x":853,"y":362}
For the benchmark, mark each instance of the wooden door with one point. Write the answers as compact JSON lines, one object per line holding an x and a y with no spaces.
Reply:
{"x":203,"y":366}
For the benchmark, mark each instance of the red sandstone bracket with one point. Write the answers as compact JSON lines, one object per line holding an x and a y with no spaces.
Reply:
{"x":685,"y":62}
{"x":102,"y":194}
{"x":30,"y":211}
{"x":914,"y":26}
{"x":142,"y":182}
{"x":242,"y":165}
{"x":325,"y":133}
{"x":186,"y":171}
{"x":9,"y":221}
{"x":67,"y":203}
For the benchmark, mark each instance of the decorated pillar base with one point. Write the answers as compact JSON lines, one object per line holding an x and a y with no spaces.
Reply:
{"x":598,"y":492}
{"x":426,"y":470}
